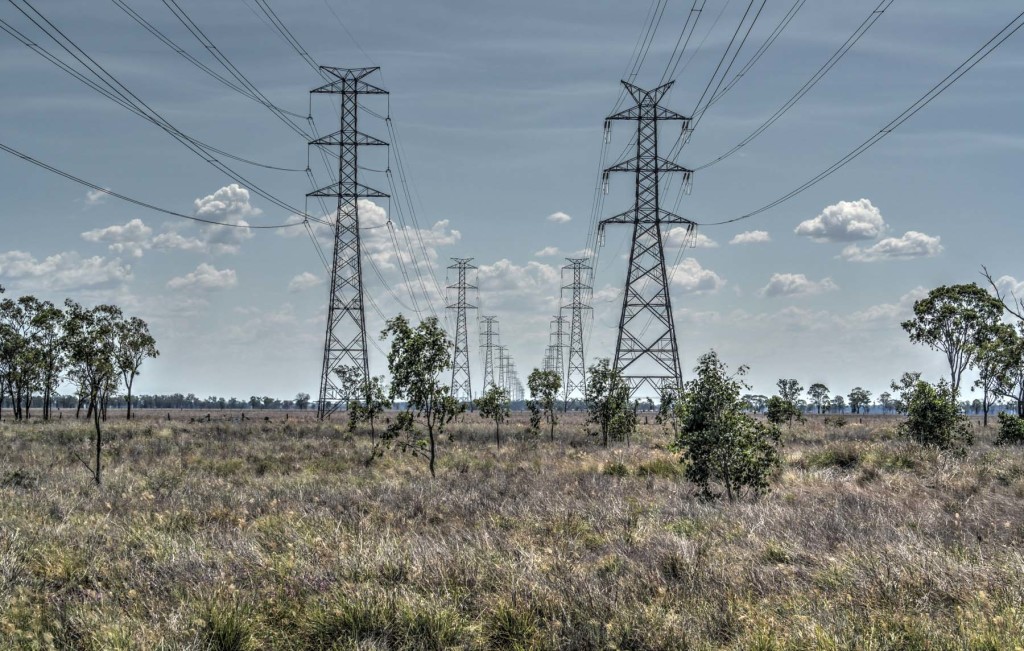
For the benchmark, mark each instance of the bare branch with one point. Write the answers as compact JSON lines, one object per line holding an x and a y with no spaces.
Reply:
{"x":1001,"y":296}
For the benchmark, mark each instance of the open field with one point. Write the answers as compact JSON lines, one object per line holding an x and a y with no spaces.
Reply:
{"x":279,"y":535}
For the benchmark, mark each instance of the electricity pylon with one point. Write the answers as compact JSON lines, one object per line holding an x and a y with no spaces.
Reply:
{"x":646,"y":355}
{"x":575,"y":371}
{"x":503,"y":369}
{"x":557,"y":345}
{"x":345,"y":341}
{"x":488,"y":342}
{"x":462,"y":389}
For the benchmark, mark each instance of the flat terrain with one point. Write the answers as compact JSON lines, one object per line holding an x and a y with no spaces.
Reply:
{"x":281,"y":535}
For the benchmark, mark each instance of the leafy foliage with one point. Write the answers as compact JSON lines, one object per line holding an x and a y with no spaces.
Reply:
{"x":608,"y":403}
{"x":544,"y":387}
{"x":722,"y":445}
{"x":779,"y":410}
{"x":493,"y":404}
{"x":417,"y":358}
{"x":1011,"y":429}
{"x":934,"y":418}
{"x":955,"y":320}
{"x":819,"y":394}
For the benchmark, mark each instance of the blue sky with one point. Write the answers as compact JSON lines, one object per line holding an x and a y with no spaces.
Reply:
{"x":499,"y":109}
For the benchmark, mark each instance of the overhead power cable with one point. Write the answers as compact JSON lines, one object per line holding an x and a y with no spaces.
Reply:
{"x":977,"y":57}
{"x":137,"y":202}
{"x":810,"y":83}
{"x":122,"y":91}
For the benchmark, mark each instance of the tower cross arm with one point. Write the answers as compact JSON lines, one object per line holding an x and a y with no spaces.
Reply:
{"x":658,"y":164}
{"x":348,"y":138}
{"x":362,"y":191}
{"x":348,"y":85}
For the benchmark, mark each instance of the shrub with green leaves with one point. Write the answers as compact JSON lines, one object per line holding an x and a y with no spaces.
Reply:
{"x":934,"y":419}
{"x":721,"y":444}
{"x":1011,"y":429}
{"x":779,"y":410}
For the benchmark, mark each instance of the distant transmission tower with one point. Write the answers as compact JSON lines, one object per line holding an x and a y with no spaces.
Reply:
{"x":345,"y":341}
{"x":576,"y":371}
{"x":488,"y":342}
{"x":503,"y":374}
{"x":557,"y":346}
{"x":462,"y":389}
{"x":644,"y":354}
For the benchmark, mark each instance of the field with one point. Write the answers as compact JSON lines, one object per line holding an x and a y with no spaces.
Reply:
{"x":282,"y":535}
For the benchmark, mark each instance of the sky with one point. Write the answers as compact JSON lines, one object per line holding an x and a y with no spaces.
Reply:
{"x":499,"y":110}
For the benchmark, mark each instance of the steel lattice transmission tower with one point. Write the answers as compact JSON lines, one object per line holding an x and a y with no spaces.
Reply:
{"x":646,"y":350}
{"x":557,"y":345}
{"x":488,"y":342}
{"x":578,"y":288}
{"x":503,"y":369}
{"x":345,"y":341}
{"x":462,"y":389}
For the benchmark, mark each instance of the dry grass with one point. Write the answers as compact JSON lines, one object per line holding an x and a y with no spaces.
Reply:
{"x":280,"y":536}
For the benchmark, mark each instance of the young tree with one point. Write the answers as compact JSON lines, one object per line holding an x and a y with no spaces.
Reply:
{"x":789,"y":390}
{"x":133,"y":345}
{"x":933,"y":417}
{"x":860,"y":398}
{"x":838,"y":404}
{"x":721,"y":443}
{"x":373,"y":401}
{"x":302,"y":401}
{"x":544,"y":387}
{"x":995,"y":361}
{"x":417,"y":358}
{"x":955,"y":320}
{"x":90,"y":341}
{"x":819,"y":394}
{"x":781,"y":411}
{"x":885,"y":401}
{"x":493,"y":404}
{"x":608,"y":403}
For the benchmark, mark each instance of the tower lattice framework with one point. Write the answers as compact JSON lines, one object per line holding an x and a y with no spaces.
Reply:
{"x":646,"y":349}
{"x":345,"y":340}
{"x":578,"y":288}
{"x":462,"y":388}
{"x":488,"y":342}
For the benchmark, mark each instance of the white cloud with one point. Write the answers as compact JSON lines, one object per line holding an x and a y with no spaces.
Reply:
{"x":304,"y":281}
{"x":131,"y":238}
{"x":845,"y":221}
{"x":751,"y":237}
{"x":63,"y":271}
{"x":796,"y":285}
{"x":692,"y":278}
{"x":912,"y":244}
{"x":559,"y":217}
{"x":530,"y":287}
{"x":547,"y":251}
{"x":205,"y":277}
{"x":892,"y":312}
{"x":230,"y":205}
{"x":1010,"y":285}
{"x":173,"y":240}
{"x":679,"y":236}
{"x":95,"y":197}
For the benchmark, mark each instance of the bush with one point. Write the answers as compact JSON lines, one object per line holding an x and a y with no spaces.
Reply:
{"x":834,"y":421}
{"x":780,"y":410}
{"x":722,"y":444}
{"x":933,"y":418}
{"x":1011,"y":429}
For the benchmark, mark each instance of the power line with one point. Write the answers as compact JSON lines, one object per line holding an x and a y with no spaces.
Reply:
{"x":122,"y":197}
{"x":977,"y":57}
{"x":810,"y":83}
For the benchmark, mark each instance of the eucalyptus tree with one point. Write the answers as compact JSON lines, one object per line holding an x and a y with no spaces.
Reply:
{"x":133,"y":344}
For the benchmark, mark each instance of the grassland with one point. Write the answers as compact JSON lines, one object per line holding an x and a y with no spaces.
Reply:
{"x":281,"y":535}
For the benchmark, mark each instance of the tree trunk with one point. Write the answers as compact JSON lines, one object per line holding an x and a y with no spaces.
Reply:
{"x":99,"y":443}
{"x":984,"y":409}
{"x":129,"y":387}
{"x":432,"y":452}
{"x":497,"y":433}
{"x":552,"y":428}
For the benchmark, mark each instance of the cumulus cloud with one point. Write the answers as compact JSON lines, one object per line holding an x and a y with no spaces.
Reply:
{"x":534,"y":285}
{"x":63,"y":271}
{"x":547,"y":251}
{"x":690,"y":277}
{"x":911,"y":244}
{"x":796,"y":285}
{"x":131,"y":238}
{"x":173,"y":240}
{"x":205,"y":277}
{"x":678,"y":236}
{"x":559,"y":217}
{"x":304,"y":281}
{"x":751,"y":237}
{"x":230,"y":205}
{"x":845,"y":221}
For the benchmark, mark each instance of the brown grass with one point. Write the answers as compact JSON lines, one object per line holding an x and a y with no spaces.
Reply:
{"x":280,"y":536}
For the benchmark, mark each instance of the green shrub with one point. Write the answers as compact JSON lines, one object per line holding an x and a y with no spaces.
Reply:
{"x":834,"y":421}
{"x":933,"y":418}
{"x":667,"y":468}
{"x":844,"y":456}
{"x":616,"y":469}
{"x":1011,"y":429}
